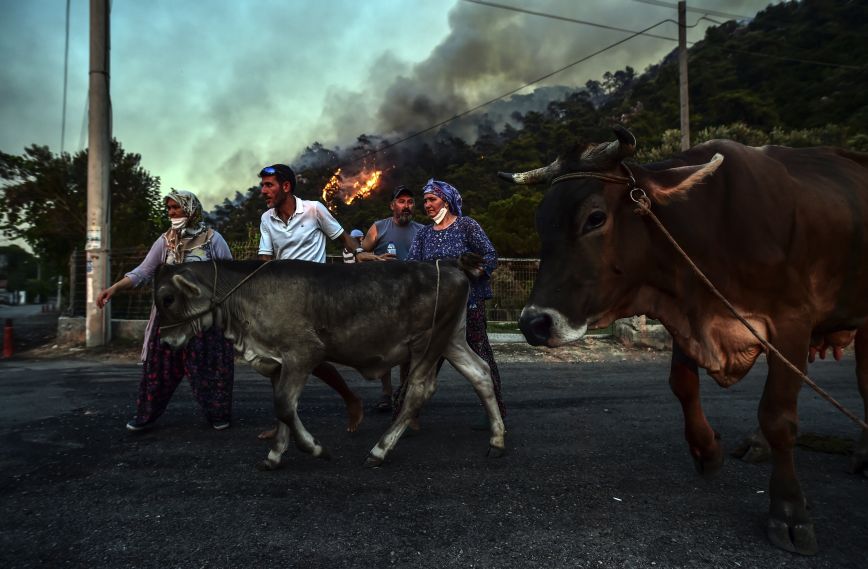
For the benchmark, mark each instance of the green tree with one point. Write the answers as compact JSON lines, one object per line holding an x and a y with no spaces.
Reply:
{"x":17,"y":266}
{"x":510,"y":223}
{"x":44,"y":201}
{"x":235,"y":218}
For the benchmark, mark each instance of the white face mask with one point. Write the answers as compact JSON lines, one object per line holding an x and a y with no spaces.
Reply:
{"x":441,"y":214}
{"x":178,"y":222}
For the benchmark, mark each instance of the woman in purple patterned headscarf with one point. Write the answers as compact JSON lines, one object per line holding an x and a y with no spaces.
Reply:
{"x":446,"y":192}
{"x":208,"y":359}
{"x":452,"y":234}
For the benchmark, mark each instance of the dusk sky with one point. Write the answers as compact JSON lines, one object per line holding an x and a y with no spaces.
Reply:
{"x":210,"y":91}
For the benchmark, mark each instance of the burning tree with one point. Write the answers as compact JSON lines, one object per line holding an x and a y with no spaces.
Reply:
{"x":347,"y":189}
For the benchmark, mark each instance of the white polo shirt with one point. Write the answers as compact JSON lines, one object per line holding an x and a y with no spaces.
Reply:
{"x":302,"y":236}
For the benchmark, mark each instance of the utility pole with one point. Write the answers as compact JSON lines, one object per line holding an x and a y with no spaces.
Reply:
{"x":682,"y":74}
{"x":98,"y":322}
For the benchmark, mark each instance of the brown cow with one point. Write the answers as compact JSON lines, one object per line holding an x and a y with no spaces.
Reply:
{"x":782,"y":232}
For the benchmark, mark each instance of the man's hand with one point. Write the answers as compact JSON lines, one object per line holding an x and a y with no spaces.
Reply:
{"x":364,"y":256}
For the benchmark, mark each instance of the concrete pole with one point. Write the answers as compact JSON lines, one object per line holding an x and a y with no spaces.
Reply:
{"x":98,"y":322}
{"x":682,"y":74}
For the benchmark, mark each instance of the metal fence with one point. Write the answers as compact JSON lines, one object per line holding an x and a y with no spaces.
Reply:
{"x":511,"y":284}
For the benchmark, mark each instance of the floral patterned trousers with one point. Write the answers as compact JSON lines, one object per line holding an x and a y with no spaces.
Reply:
{"x":208,"y":361}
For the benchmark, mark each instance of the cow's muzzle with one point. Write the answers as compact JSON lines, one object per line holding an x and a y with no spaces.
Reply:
{"x":175,"y":339}
{"x":536,"y":327}
{"x":546,"y":326}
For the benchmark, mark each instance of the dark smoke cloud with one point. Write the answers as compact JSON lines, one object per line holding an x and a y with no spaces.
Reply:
{"x":491,"y":51}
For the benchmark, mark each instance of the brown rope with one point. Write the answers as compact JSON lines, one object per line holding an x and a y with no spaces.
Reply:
{"x":645,"y":209}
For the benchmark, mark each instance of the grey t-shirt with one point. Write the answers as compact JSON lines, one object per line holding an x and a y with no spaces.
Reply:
{"x":389,"y":231}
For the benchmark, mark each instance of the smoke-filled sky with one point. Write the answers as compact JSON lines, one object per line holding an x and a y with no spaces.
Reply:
{"x":209,"y":92}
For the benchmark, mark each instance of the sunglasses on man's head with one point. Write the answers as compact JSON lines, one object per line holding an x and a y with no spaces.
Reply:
{"x":268,"y":171}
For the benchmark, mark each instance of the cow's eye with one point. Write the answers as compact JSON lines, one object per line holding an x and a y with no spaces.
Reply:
{"x":595,"y":220}
{"x":168,"y":300}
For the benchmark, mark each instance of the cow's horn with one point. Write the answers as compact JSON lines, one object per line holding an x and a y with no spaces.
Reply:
{"x":604,"y":155}
{"x":538,"y":176}
{"x":626,"y":142}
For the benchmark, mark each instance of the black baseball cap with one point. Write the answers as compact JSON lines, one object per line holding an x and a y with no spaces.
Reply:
{"x":401,"y":190}
{"x":283,"y":172}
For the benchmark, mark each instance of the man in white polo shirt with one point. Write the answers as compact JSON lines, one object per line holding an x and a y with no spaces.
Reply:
{"x":294,"y":228}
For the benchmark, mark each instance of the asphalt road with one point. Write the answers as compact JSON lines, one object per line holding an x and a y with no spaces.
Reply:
{"x":597,"y":475}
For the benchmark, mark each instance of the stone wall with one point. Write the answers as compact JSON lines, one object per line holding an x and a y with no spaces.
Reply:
{"x":636,"y":333}
{"x":70,"y":330}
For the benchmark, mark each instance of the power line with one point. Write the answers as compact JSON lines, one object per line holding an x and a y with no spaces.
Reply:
{"x":796,"y":59}
{"x":632,"y":35}
{"x":504,"y":95}
{"x":689,"y":9}
{"x":562,"y":18}
{"x":574,"y":63}
{"x":666,"y":4}
{"x":784,"y":58}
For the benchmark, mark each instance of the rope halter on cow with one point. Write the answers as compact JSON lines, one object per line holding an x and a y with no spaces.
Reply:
{"x":643,"y":207}
{"x":215,"y":302}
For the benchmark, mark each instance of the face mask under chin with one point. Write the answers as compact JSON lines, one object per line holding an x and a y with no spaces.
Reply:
{"x":178,"y":222}
{"x":441,"y":214}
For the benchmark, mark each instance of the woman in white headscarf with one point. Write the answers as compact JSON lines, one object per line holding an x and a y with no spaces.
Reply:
{"x":208,"y":360}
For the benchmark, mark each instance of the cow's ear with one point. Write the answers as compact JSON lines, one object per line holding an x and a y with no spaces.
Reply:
{"x":666,"y":185}
{"x":189,"y":289}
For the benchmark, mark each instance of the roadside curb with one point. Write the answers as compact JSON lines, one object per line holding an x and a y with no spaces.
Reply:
{"x":505,"y":338}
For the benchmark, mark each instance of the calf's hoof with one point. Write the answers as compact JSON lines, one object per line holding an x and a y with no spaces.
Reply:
{"x":267,"y":465}
{"x":324,"y":454}
{"x":373,"y":462}
{"x":794,"y":537}
{"x":495,"y":452}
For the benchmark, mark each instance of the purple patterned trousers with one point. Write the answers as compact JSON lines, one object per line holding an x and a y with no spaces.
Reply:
{"x":208,"y":361}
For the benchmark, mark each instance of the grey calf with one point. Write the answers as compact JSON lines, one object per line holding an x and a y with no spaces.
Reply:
{"x":290,"y":316}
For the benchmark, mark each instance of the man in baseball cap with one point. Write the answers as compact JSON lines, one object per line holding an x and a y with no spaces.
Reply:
{"x":398,"y":231}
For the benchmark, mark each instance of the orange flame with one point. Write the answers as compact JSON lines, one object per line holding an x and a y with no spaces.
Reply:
{"x":331,"y":188}
{"x":363,"y":188}
{"x":349,"y":189}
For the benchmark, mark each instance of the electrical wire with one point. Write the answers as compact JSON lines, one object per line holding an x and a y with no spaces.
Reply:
{"x":464,"y":113}
{"x":562,"y":18}
{"x":689,"y":9}
{"x":784,"y":58}
{"x":634,"y":34}
{"x":665,"y":4}
{"x":504,"y":95}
